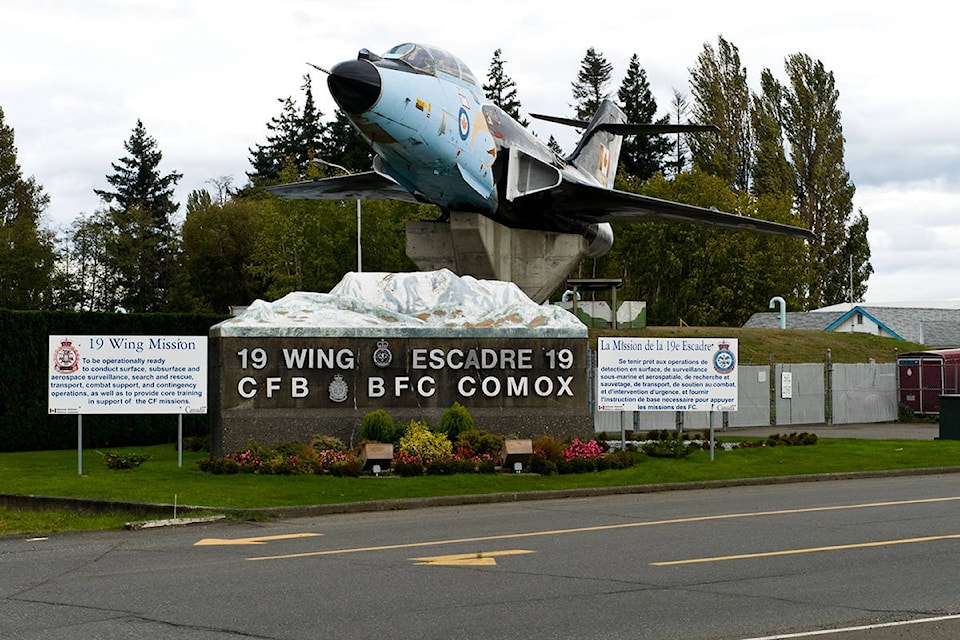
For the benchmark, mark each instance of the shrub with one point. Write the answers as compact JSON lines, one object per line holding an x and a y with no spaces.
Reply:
{"x":378,"y":426}
{"x":551,"y":448}
{"x":115,"y":460}
{"x":350,"y":466}
{"x":327,"y":443}
{"x":455,"y":421}
{"x":674,"y":447}
{"x":287,"y":449}
{"x":623,"y":459}
{"x":905,"y":413}
{"x":420,"y":441}
{"x":219,"y":466}
{"x":480,"y":442}
{"x":793,"y":440}
{"x":407,"y":466}
{"x":442,"y":467}
{"x":540,"y":464}
{"x":338,"y":463}
{"x":486,"y":465}
{"x":577,"y":465}
{"x":660,"y":434}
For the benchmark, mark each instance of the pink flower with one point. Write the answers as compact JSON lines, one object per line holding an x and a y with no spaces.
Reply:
{"x":580,"y":449}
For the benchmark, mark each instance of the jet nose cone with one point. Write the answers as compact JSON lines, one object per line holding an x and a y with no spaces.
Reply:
{"x":355,"y":85}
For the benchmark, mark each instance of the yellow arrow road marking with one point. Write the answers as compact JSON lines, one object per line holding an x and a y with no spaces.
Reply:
{"x":258,"y":540}
{"x":790,"y":552}
{"x":481,"y":559}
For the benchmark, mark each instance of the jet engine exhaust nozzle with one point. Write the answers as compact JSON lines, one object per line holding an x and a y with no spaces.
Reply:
{"x":355,"y":85}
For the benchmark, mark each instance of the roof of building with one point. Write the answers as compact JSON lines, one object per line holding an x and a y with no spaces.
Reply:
{"x":935,"y":326}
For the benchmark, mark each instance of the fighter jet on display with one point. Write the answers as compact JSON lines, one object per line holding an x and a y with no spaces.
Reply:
{"x":439,"y":140}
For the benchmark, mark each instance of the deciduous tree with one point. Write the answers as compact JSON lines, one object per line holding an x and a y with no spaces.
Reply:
{"x":721,"y":97}
{"x":27,"y":252}
{"x":219,"y":241}
{"x":771,"y":173}
{"x":823,"y":190}
{"x":707,"y":275}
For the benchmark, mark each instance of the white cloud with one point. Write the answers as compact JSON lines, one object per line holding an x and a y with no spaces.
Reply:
{"x":205,"y":78}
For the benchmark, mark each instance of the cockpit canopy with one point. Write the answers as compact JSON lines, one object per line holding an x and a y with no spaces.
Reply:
{"x":430,"y":60}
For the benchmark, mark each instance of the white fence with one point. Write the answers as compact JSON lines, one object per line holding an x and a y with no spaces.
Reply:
{"x":782,"y":394}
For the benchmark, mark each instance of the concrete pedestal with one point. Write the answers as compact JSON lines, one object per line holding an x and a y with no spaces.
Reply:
{"x":471,"y":244}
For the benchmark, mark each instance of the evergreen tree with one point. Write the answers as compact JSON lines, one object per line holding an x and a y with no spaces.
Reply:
{"x":823,"y":191}
{"x":295,"y":138}
{"x":143,"y":247}
{"x":679,"y":108}
{"x":641,"y":156}
{"x":555,"y":146}
{"x":344,"y":145}
{"x":721,"y":97}
{"x":137,"y":181}
{"x":502,"y":90}
{"x":590,"y":88}
{"x":27,"y":254}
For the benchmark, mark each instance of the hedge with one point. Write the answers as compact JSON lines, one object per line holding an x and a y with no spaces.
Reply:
{"x":25,"y":424}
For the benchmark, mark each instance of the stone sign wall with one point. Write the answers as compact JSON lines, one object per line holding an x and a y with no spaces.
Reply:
{"x":315,"y":364}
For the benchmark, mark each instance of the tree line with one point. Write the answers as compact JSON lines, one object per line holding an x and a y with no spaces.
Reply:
{"x":779,"y":156}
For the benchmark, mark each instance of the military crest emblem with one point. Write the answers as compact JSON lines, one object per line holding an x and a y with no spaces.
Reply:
{"x":723,"y":360}
{"x":66,"y":358}
{"x":382,"y":357}
{"x":338,"y":389}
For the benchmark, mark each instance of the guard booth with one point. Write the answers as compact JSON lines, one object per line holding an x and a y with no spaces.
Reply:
{"x":924,"y":376}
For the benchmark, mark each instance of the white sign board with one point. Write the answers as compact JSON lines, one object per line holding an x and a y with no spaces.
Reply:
{"x":127,"y":374}
{"x":667,"y":374}
{"x":786,"y":385}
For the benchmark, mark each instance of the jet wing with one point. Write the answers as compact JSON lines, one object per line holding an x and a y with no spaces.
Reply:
{"x":608,"y":205}
{"x":368,"y":185}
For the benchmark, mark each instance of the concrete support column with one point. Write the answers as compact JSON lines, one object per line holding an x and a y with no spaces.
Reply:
{"x":471,"y":244}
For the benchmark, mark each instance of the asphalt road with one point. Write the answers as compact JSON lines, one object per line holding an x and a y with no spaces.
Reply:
{"x":734,"y":563}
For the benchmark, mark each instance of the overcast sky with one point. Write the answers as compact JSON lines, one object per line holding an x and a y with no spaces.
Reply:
{"x":205,"y":76}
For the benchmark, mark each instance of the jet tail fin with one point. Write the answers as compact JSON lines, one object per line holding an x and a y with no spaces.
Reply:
{"x":598,"y":151}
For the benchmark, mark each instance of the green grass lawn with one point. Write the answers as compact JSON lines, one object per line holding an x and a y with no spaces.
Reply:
{"x":160,"y":480}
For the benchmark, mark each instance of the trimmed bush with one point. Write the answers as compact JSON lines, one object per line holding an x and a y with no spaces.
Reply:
{"x":549,"y":447}
{"x":419,"y":440}
{"x":378,"y":426}
{"x":480,"y":442}
{"x":539,"y":464}
{"x":327,"y":443}
{"x":455,"y":421}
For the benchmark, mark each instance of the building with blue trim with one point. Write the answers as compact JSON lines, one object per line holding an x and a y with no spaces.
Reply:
{"x":934,"y":324}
